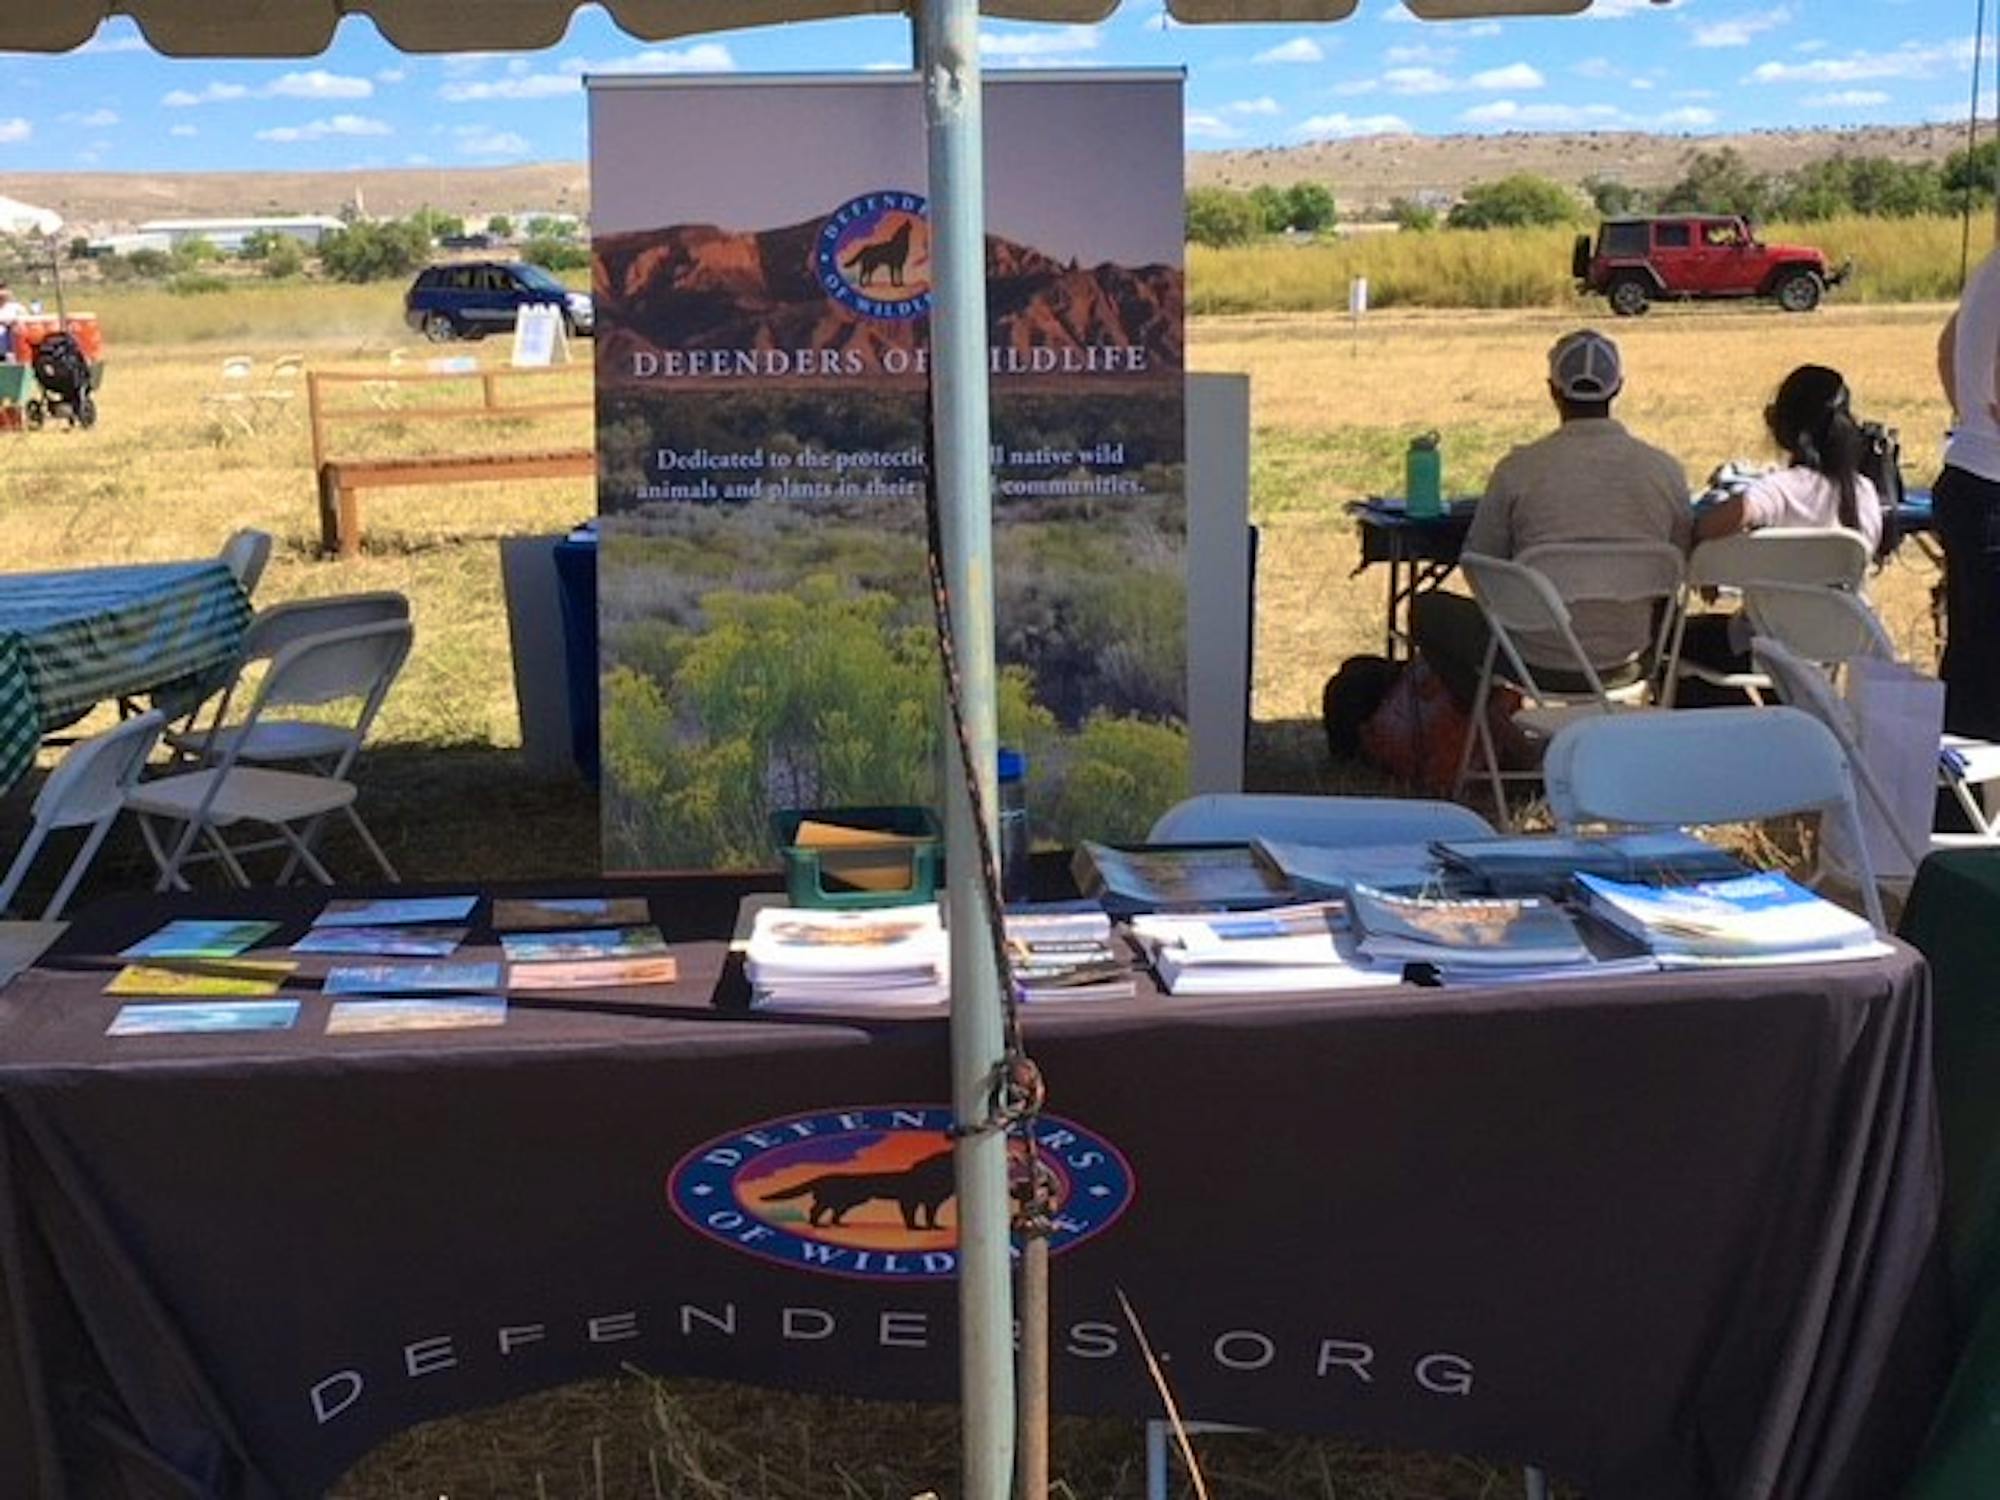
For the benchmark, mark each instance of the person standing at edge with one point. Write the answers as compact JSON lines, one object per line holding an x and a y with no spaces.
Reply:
{"x":1588,"y":481}
{"x":1966,"y":499}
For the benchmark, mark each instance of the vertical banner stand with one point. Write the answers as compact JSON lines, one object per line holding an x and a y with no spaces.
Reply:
{"x":948,"y":56}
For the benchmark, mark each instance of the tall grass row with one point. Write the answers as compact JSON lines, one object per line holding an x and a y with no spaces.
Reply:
{"x":1896,"y":260}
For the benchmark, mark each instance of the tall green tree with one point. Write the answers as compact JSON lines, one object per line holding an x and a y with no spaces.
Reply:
{"x":1512,"y":202}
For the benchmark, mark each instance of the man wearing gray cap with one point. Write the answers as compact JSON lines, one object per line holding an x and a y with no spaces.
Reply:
{"x":1588,"y":481}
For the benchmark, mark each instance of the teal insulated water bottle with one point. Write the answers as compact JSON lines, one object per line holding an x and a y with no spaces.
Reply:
{"x":1423,"y":477}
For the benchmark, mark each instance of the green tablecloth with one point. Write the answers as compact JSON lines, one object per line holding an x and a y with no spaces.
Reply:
{"x":71,"y":640}
{"x":1954,"y":918}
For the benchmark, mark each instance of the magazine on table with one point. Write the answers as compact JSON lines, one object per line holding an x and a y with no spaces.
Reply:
{"x":188,"y":1018}
{"x":892,"y":958}
{"x":1183,"y":877}
{"x":594,"y":973}
{"x":1333,"y":868}
{"x":1284,"y":950}
{"x":200,"y":977}
{"x":411,"y":979}
{"x":1767,"y":916}
{"x":190,"y":937}
{"x":1465,"y":932}
{"x":354,"y":1017}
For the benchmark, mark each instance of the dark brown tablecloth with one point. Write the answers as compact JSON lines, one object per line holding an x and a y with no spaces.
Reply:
{"x":1669,"y":1236}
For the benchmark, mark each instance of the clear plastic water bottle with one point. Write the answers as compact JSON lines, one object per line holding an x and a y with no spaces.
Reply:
{"x":1013,"y":813}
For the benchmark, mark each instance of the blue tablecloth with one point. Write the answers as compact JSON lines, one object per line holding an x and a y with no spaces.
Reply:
{"x":69,"y":641}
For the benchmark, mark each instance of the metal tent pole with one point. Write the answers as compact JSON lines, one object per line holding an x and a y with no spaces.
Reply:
{"x":949,"y":39}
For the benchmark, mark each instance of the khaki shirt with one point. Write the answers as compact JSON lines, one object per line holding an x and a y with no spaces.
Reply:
{"x":1588,"y":481}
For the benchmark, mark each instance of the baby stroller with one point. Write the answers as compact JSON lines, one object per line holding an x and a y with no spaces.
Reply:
{"x":63,"y":373}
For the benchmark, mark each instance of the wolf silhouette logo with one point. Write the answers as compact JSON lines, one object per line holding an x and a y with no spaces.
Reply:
{"x":872,"y":255}
{"x":889,"y":255}
{"x":919,"y":1191}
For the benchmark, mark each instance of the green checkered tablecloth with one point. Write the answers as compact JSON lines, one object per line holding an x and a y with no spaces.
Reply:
{"x":69,"y":641}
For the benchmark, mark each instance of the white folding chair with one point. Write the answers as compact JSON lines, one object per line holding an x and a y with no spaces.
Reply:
{"x":1965,"y":765}
{"x":233,"y":398}
{"x":1334,"y":822}
{"x":1721,"y":765}
{"x":1811,"y":555}
{"x":246,"y":554}
{"x":356,"y":664}
{"x":1828,"y":626}
{"x":1529,"y":599}
{"x":87,"y":789}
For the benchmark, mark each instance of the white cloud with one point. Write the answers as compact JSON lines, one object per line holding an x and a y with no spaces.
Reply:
{"x":1419,"y":52}
{"x":885,"y":66}
{"x":1052,"y":41}
{"x":1618,"y":10}
{"x":214,"y":93}
{"x":1687,"y":117}
{"x":1479,"y":29}
{"x":1208,"y":127}
{"x":702,"y":57}
{"x":521,"y":82}
{"x":1847,"y":99}
{"x":481,"y":140}
{"x":1695,"y":94}
{"x":391,"y":75}
{"x":1511,"y":112}
{"x":1262,"y":106}
{"x":531,"y":86}
{"x":418,"y":160}
{"x":1911,"y":60}
{"x":1513,"y":76}
{"x":1340,"y":125}
{"x":320,"y":130}
{"x":317,"y":84}
{"x":1300,"y":49}
{"x":1740,"y":31}
{"x":94,"y":119}
{"x":182,"y":130}
{"x":1597,"y":67}
{"x":14,"y":130}
{"x":1416,"y":81}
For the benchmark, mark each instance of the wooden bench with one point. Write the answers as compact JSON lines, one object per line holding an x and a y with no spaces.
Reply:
{"x":341,"y":480}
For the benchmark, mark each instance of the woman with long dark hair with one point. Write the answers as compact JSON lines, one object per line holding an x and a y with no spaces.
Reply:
{"x":1812,"y":422}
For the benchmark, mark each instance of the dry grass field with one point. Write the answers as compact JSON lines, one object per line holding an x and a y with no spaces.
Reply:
{"x":166,"y":476}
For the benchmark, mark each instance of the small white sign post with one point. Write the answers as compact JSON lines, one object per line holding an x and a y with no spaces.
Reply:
{"x":539,"y":338}
{"x":1357,"y":305}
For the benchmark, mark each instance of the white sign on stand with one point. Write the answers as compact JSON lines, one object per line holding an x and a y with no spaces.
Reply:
{"x":539,"y":339}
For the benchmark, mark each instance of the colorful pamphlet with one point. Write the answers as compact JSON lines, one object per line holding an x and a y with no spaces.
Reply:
{"x":191,"y":937}
{"x":604,"y":942}
{"x":165,"y":1020}
{"x":895,"y":958}
{"x":1768,"y":917}
{"x":594,"y":973}
{"x":534,"y":913}
{"x":353,"y":1017}
{"x":384,"y":942}
{"x":411,"y":979}
{"x":397,"y":911}
{"x":201,"y":976}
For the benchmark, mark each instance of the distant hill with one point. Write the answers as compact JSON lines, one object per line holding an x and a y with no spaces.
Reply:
{"x":1363,"y":173}
{"x":1366,"y":173}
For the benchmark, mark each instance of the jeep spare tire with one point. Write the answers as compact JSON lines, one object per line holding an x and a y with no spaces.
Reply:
{"x":1798,"y":291}
{"x":1629,"y":295}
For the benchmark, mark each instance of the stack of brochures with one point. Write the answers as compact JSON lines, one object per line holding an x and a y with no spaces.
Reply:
{"x":888,"y":959}
{"x":1544,"y":864}
{"x":1285,"y":950}
{"x":1482,"y":939}
{"x":1066,"y":955}
{"x":1762,"y":918}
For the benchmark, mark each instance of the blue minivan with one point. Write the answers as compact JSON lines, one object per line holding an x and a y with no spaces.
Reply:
{"x":470,"y":299}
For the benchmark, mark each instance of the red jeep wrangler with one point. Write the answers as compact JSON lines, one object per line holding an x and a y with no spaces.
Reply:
{"x":1688,"y":256}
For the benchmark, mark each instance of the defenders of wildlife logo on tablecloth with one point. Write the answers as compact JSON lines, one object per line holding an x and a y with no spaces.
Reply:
{"x":873,"y":254}
{"x":869,"y":1192}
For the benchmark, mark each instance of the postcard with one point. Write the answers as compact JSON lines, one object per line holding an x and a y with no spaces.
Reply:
{"x":601,"y":942}
{"x":410,"y":979}
{"x":528,"y":914}
{"x":349,"y":1017}
{"x":388,"y":942}
{"x":396,"y":911}
{"x":163,"y":1020}
{"x":194,"y":938}
{"x":201,"y":976}
{"x":592,"y":973}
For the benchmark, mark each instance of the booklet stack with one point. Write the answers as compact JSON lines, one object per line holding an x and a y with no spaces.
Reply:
{"x":891,"y":959}
{"x":1286,"y":950}
{"x":1479,"y":940}
{"x":1066,"y":955}
{"x":1765,"y":918}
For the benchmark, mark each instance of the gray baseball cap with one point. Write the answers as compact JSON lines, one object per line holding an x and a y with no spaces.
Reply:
{"x":1584,"y":366}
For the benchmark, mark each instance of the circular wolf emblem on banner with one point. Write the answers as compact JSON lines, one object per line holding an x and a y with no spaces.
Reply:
{"x":873,"y":254}
{"x":869,"y":1191}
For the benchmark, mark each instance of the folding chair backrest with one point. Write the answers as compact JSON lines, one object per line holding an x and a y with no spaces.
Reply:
{"x":1333,"y":822}
{"x":91,"y":780}
{"x":358,"y":663}
{"x":1628,"y":572}
{"x":245,"y":554}
{"x":1826,"y":625}
{"x":238,"y":367}
{"x":1781,"y":554}
{"x":1716,"y":765}
{"x":277,"y":627}
{"x":1518,"y":601}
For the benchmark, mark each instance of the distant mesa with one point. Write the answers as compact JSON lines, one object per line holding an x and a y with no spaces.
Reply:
{"x":695,"y":286}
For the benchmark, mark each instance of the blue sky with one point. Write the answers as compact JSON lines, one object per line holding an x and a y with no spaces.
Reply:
{"x":1694,"y":65}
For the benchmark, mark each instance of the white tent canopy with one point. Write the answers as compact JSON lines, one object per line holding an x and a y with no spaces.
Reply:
{"x":17,"y":217}
{"x":298,"y":28}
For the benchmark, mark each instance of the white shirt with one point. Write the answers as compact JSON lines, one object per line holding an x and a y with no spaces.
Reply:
{"x":12,"y":311}
{"x":1975,"y":441}
{"x":1800,"y":496}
